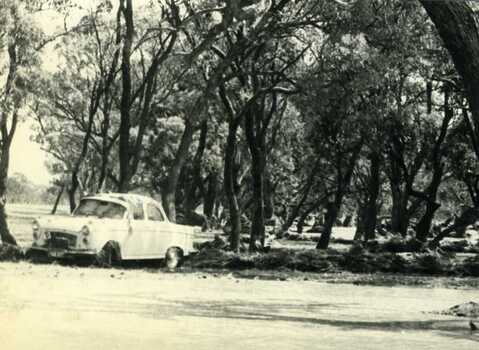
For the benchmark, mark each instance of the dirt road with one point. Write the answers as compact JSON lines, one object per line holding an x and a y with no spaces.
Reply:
{"x":55,"y":307}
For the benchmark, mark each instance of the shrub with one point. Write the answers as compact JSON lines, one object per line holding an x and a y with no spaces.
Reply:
{"x":431,"y":263}
{"x":311,"y":260}
{"x":470,"y":266}
{"x":401,"y":245}
{"x":10,"y":252}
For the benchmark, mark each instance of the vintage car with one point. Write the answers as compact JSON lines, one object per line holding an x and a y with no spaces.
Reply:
{"x":111,"y":227}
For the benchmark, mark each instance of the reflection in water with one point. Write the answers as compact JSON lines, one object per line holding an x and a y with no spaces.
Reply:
{"x":305,"y":314}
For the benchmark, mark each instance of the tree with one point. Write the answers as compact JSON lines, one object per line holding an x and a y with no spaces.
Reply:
{"x":75,"y":104}
{"x":457,"y":25}
{"x":19,"y":43}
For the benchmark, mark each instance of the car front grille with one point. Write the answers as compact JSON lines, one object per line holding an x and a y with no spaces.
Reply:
{"x":62,"y":240}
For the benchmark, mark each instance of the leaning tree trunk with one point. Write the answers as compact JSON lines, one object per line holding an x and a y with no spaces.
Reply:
{"x":456,"y":22}
{"x":169,"y":193}
{"x":57,"y":200}
{"x":295,"y":210}
{"x":342,"y":186}
{"x":331,"y":216}
{"x":424,"y":225}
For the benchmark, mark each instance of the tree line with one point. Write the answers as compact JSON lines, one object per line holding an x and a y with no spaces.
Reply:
{"x":259,"y":109}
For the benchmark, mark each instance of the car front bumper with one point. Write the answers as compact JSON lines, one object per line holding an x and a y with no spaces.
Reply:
{"x":58,"y":253}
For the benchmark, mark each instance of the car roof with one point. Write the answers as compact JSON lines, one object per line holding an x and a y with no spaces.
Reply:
{"x":125,"y":197}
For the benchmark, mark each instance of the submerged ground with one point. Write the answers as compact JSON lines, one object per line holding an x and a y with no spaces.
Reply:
{"x":58,"y":307}
{"x":67,"y":307}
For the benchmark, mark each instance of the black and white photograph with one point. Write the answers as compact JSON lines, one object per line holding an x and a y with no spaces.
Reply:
{"x":239,"y":174}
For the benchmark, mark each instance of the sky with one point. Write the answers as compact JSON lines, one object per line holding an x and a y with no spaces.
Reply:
{"x":27,"y":158}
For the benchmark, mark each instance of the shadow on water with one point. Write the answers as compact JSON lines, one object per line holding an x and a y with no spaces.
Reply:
{"x":458,"y":329}
{"x":158,"y":308}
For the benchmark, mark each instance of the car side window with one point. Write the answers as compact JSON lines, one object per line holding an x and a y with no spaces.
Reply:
{"x":138,"y":213}
{"x":154,"y":213}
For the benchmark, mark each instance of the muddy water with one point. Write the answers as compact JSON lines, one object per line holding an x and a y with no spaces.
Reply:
{"x":52,"y":307}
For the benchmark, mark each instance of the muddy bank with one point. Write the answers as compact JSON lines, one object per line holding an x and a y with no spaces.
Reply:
{"x":355,"y":260}
{"x":355,"y":266}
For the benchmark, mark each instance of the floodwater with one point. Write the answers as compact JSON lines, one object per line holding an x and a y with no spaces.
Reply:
{"x":55,"y":307}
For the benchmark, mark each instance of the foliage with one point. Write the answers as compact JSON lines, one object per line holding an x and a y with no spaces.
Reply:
{"x":262,"y":108}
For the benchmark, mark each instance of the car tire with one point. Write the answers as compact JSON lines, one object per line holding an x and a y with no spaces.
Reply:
{"x":173,"y":258}
{"x":37,"y":257}
{"x":107,"y":257}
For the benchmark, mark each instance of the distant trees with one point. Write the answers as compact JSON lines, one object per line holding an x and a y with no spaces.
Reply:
{"x":22,"y":190}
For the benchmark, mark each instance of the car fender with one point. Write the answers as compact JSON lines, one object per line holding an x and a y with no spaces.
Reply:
{"x":102,"y":233}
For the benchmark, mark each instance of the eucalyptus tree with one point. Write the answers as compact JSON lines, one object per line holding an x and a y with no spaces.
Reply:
{"x":21,"y":40}
{"x":76,"y":105}
{"x":456,"y":22}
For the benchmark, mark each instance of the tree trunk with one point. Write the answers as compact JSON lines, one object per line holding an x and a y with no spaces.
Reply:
{"x":169,"y":193}
{"x":367,"y":215}
{"x":297,"y":207}
{"x":57,"y":200}
{"x":194,"y":180}
{"x":361,"y":224}
{"x":315,"y":206}
{"x":5,"y":235}
{"x":7,"y":132}
{"x":124,"y":143}
{"x":268,"y":197}
{"x":456,"y":23}
{"x":424,"y":225}
{"x":301,"y":221}
{"x":229,"y":184}
{"x":343,"y":181}
{"x":72,"y":192}
{"x":331,"y":216}
{"x":257,"y":173}
{"x":211,"y":194}
{"x":399,"y":213}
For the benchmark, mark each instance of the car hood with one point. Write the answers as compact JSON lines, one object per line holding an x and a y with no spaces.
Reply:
{"x":66,"y":223}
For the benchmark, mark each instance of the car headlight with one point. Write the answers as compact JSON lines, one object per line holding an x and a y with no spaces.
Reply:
{"x":35,"y":229}
{"x":85,"y":231}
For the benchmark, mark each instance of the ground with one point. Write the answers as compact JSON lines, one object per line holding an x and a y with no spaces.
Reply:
{"x":61,"y":307}
{"x":49,"y":306}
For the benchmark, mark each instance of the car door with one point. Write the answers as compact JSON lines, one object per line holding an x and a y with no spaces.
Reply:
{"x":162,"y":238}
{"x":141,"y":232}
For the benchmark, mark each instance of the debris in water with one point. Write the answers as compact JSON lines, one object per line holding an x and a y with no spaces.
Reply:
{"x":468,"y":309}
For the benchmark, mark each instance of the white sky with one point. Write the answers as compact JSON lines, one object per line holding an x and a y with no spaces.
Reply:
{"x":27,"y":158}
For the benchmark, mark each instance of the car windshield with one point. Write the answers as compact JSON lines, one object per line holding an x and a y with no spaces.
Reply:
{"x":100,"y":209}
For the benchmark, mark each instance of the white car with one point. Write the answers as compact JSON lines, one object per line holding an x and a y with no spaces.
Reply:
{"x":111,"y":227}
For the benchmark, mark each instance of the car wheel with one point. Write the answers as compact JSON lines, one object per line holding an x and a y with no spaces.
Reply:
{"x":37,"y":257}
{"x":173,"y":258}
{"x":107,"y":257}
